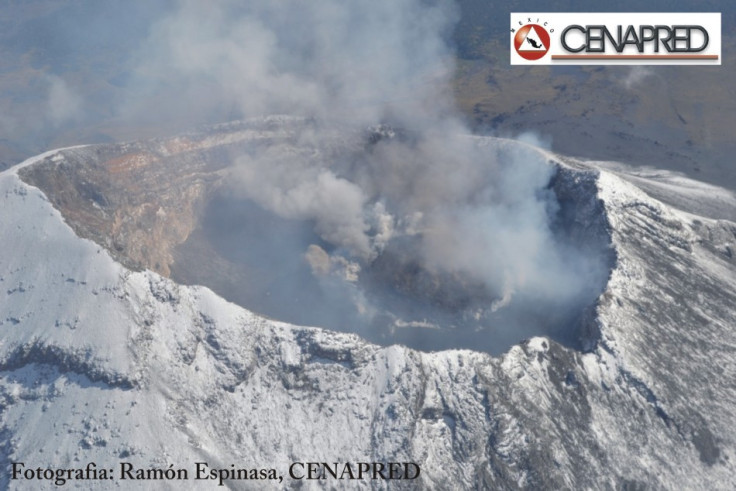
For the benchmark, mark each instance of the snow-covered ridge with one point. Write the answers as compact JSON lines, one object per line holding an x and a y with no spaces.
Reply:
{"x":103,"y":364}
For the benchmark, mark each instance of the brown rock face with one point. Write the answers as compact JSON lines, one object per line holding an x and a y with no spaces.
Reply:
{"x":139,"y":200}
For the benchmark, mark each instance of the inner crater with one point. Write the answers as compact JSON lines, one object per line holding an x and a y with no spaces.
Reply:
{"x":357,"y":231}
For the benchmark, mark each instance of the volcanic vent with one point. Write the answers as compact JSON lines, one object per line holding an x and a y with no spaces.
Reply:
{"x":432,"y":241}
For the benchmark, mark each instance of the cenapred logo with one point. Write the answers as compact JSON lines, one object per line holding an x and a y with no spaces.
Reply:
{"x":531,"y":41}
{"x":653,"y":38}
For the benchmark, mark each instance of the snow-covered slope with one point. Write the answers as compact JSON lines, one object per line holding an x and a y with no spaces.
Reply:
{"x":101,"y":364}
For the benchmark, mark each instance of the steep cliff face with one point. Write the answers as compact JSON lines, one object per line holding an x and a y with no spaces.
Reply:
{"x":101,"y":363}
{"x":140,"y":200}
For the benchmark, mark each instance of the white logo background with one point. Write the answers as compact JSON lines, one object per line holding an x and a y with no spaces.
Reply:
{"x":557,"y":55}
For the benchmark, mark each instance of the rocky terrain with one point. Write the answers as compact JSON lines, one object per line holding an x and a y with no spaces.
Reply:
{"x":104,"y":359}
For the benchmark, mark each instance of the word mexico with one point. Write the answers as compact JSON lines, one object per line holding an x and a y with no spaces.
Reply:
{"x":616,"y":39}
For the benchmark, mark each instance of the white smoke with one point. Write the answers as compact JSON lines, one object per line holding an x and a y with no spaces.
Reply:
{"x":473,"y":210}
{"x":636,"y":76}
{"x":322,"y":58}
{"x":293,"y":187}
{"x":63,"y":104}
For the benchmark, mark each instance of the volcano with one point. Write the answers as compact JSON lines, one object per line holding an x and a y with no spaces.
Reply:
{"x":150,"y":316}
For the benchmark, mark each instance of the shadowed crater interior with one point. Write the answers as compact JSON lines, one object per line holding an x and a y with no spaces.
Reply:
{"x":193,"y":209}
